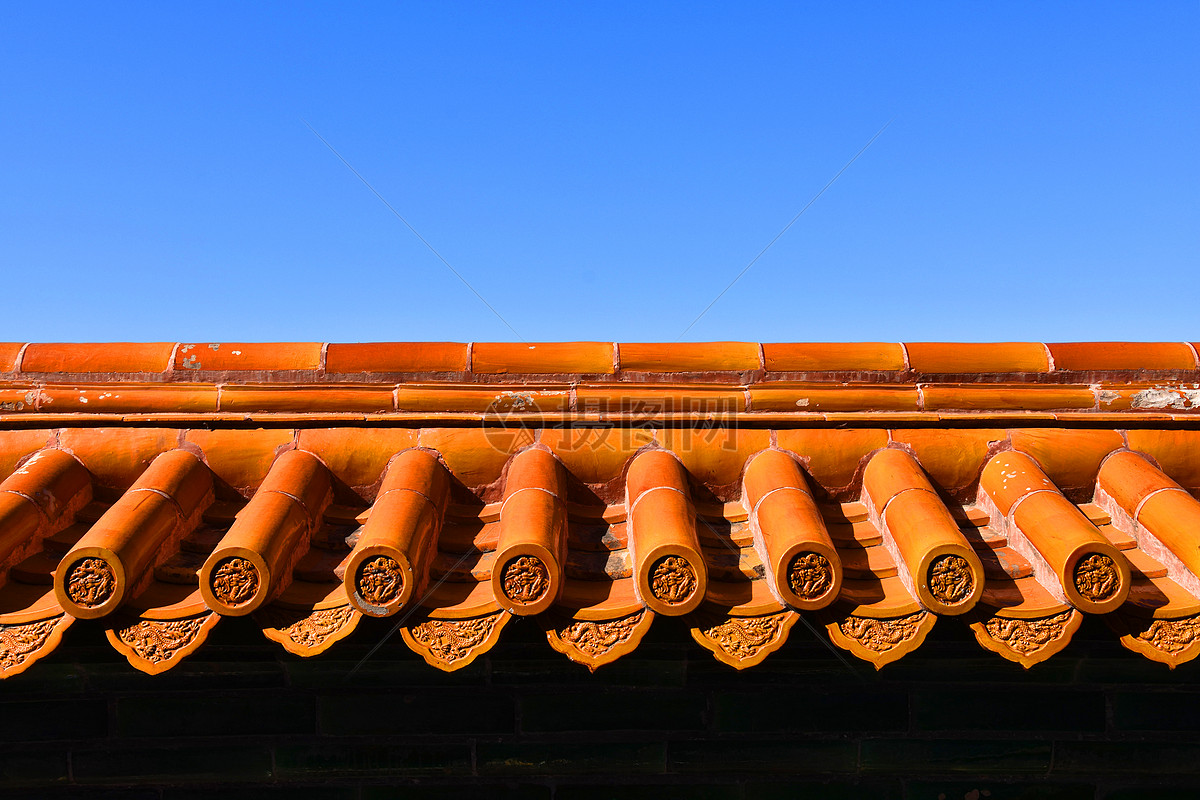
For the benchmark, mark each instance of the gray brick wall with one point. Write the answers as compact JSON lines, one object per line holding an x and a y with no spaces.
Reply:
{"x":241,"y":718}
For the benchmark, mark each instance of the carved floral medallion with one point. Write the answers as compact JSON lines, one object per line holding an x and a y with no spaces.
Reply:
{"x":157,"y":641}
{"x":19,"y":643}
{"x":950,"y":579}
{"x":1027,"y":636}
{"x":1171,"y":635}
{"x":810,"y":575}
{"x":1096,"y":577}
{"x":672,"y":580}
{"x":744,"y":638}
{"x":451,"y":640}
{"x":379,"y":580}
{"x":311,"y":633}
{"x":234,"y":581}
{"x":90,"y":582}
{"x":599,"y":638}
{"x":881,"y":635}
{"x":526,"y":579}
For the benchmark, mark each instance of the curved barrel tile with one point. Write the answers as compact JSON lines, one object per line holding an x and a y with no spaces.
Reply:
{"x":390,"y":562}
{"x":113,"y":560}
{"x":803,"y":567}
{"x":527,"y":576}
{"x":671,"y":577}
{"x":937,"y":563}
{"x":1165,"y":517}
{"x":253,"y":561}
{"x":1070,"y":557}
{"x":39,"y":499}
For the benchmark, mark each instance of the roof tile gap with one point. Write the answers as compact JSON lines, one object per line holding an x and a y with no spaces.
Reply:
{"x":470,"y":370}
{"x":921,"y":397}
{"x":20,"y":357}
{"x":1049,"y":358}
{"x":616,"y":360}
{"x":1195,"y":354}
{"x":762,"y":359}
{"x":322,"y":360}
{"x":904,"y":355}
{"x":169,"y":372}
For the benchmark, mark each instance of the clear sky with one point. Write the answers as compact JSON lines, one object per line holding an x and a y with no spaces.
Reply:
{"x":600,"y":171}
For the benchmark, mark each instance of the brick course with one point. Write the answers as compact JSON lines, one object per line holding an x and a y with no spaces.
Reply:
{"x":248,"y":720}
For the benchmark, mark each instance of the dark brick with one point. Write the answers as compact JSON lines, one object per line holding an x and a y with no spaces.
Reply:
{"x":240,"y":714}
{"x":425,"y":712}
{"x":224,"y":792}
{"x":43,"y":678}
{"x":571,"y":758}
{"x":336,"y":674}
{"x":922,"y":756}
{"x":559,"y":670}
{"x":796,"y":790}
{"x":84,"y":793}
{"x":1177,"y":792}
{"x":807,"y":757}
{"x":41,"y":720}
{"x":989,"y":790}
{"x":989,"y":708}
{"x":164,"y":764}
{"x":979,"y":668}
{"x":1127,"y":758}
{"x":355,"y":757}
{"x":1156,"y":711}
{"x":613,"y":711}
{"x":821,"y":669}
{"x":1125,"y":669}
{"x":658,"y":791}
{"x":807,"y":708}
{"x":22,"y":768}
{"x":188,"y":676}
{"x":462,"y":788}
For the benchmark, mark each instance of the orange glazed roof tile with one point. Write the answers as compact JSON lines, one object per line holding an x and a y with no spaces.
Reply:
{"x":873,"y":489}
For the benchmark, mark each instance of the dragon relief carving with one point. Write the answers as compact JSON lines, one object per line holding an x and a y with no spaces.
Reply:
{"x":234,"y":581}
{"x":950,"y":580}
{"x":19,"y":642}
{"x":1171,"y":635}
{"x":672,"y":580}
{"x":881,"y":635}
{"x":90,"y":582}
{"x":312,"y":630}
{"x":745,"y":637}
{"x":156,"y":641}
{"x":810,"y":575}
{"x":451,"y":640}
{"x":1027,"y":636}
{"x":526,"y":579}
{"x":1096,"y":577}
{"x":380,"y":580}
{"x":597,"y":639}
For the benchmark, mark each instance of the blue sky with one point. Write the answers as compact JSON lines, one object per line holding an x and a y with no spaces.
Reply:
{"x":600,"y":171}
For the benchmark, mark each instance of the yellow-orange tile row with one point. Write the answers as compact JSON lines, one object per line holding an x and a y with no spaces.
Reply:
{"x":877,"y":534}
{"x":1161,"y":399}
{"x":359,"y":362}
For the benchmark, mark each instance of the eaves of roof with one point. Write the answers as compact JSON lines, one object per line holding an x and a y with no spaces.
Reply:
{"x":871,"y":489}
